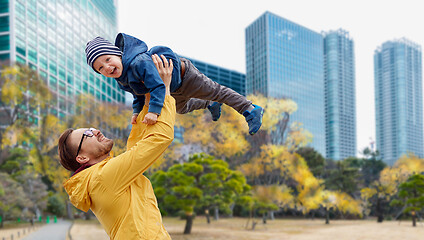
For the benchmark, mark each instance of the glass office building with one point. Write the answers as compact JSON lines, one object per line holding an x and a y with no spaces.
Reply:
{"x":226,"y":77}
{"x":50,"y":36}
{"x":398,"y":99}
{"x":340,"y":113}
{"x":286,"y":60}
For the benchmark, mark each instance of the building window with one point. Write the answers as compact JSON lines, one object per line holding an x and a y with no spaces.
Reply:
{"x":53,"y":68}
{"x":32,"y":54}
{"x":4,"y":24}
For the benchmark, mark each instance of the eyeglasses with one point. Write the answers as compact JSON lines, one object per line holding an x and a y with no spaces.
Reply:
{"x":87,"y":133}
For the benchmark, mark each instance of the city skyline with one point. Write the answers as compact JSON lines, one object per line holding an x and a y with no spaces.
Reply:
{"x":213,"y":32}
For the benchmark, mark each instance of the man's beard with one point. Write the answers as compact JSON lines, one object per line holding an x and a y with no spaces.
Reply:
{"x":105,"y":149}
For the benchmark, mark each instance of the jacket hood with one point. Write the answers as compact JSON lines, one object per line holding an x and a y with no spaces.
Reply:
{"x":130,"y":47}
{"x":77,"y":189}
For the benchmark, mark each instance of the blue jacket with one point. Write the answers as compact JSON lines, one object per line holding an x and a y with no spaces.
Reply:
{"x":139,"y":73}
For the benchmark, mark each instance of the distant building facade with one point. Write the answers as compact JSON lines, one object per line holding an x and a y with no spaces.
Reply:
{"x":226,"y":77}
{"x":398,"y":99}
{"x":340,"y":110}
{"x":286,"y":60}
{"x":50,"y":37}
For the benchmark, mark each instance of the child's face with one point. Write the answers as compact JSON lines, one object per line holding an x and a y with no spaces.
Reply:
{"x":109,"y":65}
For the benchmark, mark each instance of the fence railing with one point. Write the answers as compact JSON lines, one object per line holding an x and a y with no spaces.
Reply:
{"x":15,"y":234}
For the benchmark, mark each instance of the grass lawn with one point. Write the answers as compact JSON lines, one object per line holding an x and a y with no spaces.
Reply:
{"x":299,"y":229}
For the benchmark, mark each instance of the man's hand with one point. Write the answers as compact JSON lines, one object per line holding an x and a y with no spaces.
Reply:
{"x":165,"y":68}
{"x":134,"y":118}
{"x":150,"y":118}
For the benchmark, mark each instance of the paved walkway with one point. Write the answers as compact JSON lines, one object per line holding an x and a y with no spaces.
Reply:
{"x":51,"y":231}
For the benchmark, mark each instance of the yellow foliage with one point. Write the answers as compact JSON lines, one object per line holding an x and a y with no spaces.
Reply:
{"x":274,"y":110}
{"x":229,"y":136}
{"x":391,"y":177}
{"x":23,"y":85}
{"x":367,"y":193}
{"x":279,"y":195}
{"x":347,"y":204}
{"x":298,"y":137}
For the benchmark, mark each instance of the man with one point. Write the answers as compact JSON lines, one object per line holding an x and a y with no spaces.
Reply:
{"x":114,"y":188}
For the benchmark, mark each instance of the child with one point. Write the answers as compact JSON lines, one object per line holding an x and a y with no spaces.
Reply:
{"x":130,"y":63}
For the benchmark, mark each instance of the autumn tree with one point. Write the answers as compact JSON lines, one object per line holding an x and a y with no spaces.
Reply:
{"x":29,"y":98}
{"x":342,"y":176}
{"x":411,"y":196}
{"x":203,"y":182}
{"x":269,"y":198}
{"x":382,"y":191}
{"x":12,"y":198}
{"x":21,"y":170}
{"x":23,"y":96}
{"x":314,"y":159}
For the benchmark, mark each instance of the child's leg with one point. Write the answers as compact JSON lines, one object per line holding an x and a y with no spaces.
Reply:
{"x":198,"y":86}
{"x":186,"y":105}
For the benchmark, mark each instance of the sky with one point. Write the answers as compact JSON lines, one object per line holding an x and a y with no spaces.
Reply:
{"x":213,"y":31}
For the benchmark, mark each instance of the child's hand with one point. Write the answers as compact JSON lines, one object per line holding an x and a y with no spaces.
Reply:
{"x":150,"y":118}
{"x":134,"y":118}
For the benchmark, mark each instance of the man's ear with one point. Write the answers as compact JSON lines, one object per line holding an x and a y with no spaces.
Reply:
{"x":82,"y":159}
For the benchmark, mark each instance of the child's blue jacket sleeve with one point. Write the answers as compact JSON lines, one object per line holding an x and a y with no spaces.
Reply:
{"x":138,"y":103}
{"x":146,"y":72}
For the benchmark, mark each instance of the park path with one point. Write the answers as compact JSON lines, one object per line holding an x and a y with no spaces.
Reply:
{"x":52,"y":231}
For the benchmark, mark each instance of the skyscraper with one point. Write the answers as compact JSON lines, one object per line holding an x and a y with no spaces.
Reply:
{"x":340,"y":113}
{"x":286,"y":60}
{"x":398,"y":99}
{"x":50,"y":37}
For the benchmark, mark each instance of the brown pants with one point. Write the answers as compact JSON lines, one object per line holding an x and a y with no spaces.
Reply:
{"x":198,"y":91}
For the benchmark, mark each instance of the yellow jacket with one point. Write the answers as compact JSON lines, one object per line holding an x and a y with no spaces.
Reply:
{"x":116,"y":190}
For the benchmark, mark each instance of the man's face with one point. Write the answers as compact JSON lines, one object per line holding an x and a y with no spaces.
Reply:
{"x":93,"y":147}
{"x":109,"y":65}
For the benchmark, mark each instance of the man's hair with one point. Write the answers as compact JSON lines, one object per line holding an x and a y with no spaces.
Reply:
{"x":67,"y":152}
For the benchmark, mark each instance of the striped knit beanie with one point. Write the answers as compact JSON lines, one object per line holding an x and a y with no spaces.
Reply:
{"x":98,"y":47}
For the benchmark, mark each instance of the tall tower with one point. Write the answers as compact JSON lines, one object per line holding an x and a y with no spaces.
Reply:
{"x":50,"y":37}
{"x":340,"y":113}
{"x":398,"y":99}
{"x":286,"y":60}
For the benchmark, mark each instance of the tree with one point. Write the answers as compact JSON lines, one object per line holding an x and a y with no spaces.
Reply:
{"x":342,"y":177}
{"x":35,"y":190}
{"x":371,"y":169}
{"x":411,"y":194}
{"x":314,"y":160}
{"x":271,"y":198}
{"x":23,"y":96}
{"x":382,"y":191}
{"x":203,"y":182}
{"x":15,"y":162}
{"x":12,"y":198}
{"x":20,"y":169}
{"x":56,"y":205}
